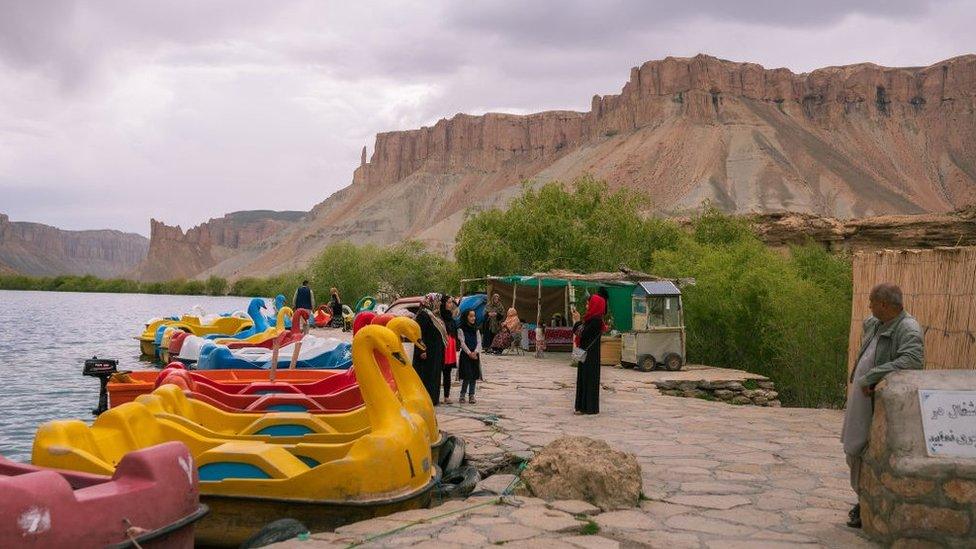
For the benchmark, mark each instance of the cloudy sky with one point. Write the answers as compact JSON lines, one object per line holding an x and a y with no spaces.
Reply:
{"x":112,"y":112}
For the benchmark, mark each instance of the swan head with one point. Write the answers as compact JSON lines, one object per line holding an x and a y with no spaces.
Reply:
{"x":383,"y":341}
{"x":255,"y":307}
{"x":407,"y":328}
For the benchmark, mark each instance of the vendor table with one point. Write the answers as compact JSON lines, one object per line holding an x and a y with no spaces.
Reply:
{"x":558,"y":338}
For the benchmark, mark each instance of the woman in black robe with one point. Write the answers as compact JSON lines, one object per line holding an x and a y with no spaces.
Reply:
{"x":450,"y":353}
{"x":589,"y":332}
{"x":429,"y":362}
{"x":335,"y":305}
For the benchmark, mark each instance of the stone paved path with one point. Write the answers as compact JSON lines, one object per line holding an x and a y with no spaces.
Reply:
{"x":715,"y":475}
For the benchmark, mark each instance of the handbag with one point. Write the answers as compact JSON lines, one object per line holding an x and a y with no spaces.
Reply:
{"x":579,"y":354}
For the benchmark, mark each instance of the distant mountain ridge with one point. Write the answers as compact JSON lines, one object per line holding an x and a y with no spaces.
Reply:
{"x":42,"y":250}
{"x":175,"y":254}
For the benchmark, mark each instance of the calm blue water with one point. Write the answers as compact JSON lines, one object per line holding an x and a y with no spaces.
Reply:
{"x":45,"y":338}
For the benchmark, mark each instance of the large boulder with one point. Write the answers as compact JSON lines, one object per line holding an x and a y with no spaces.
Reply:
{"x":583,"y":468}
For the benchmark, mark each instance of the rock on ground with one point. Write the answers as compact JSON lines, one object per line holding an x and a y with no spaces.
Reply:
{"x":586,"y":469}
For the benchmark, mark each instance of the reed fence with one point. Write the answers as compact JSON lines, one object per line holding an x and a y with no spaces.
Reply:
{"x":939,"y":287}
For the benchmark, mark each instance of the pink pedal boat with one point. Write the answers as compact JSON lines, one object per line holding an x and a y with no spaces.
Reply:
{"x":153,"y":500}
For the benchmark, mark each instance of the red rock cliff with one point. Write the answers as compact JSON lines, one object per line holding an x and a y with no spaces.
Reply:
{"x":841,"y":142}
{"x":174,"y":254}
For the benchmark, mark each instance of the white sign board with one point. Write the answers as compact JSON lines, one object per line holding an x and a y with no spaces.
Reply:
{"x":949,"y":422}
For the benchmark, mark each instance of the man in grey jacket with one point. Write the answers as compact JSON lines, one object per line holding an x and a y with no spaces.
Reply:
{"x":892,"y":340}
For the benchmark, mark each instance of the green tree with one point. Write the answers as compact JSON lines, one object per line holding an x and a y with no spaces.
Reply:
{"x":216,"y":285}
{"x":584,"y":228}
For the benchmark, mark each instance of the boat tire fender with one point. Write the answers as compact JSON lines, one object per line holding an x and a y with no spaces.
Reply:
{"x":458,"y":483}
{"x":455,"y":457}
{"x":274,"y":532}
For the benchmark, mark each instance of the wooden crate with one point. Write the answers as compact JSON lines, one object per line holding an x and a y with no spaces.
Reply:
{"x":610,"y":350}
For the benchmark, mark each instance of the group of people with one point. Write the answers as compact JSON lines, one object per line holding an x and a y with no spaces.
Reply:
{"x":448,"y":344}
{"x":456,"y":342}
{"x":502,"y":328}
{"x":305,"y":299}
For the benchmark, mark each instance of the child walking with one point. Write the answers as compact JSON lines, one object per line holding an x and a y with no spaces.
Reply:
{"x":469,"y":364}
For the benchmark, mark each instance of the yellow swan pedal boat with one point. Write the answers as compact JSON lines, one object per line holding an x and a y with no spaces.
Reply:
{"x":248,"y":484}
{"x":169,"y":403}
{"x":260,"y":337}
{"x":170,"y":406}
{"x":192,"y":324}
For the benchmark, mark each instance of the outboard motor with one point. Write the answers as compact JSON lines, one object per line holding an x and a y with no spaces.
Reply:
{"x":102,"y":368}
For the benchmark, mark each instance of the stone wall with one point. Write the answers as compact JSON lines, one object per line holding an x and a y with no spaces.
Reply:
{"x":909,"y":499}
{"x":756,"y":392}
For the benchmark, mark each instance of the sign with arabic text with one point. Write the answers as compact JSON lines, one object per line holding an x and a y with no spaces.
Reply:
{"x":949,"y":422}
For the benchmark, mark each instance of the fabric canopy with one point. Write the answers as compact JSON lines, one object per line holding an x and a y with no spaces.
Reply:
{"x":525,"y":290}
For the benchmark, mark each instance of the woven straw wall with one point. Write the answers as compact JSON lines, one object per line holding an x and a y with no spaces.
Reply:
{"x":939,"y":286}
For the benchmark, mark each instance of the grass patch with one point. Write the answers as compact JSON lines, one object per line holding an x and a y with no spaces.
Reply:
{"x":590,"y":528}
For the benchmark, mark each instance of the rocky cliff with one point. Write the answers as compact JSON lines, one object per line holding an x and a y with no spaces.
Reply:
{"x":41,"y":250}
{"x":841,"y":142}
{"x":176,"y":254}
{"x":957,"y":228}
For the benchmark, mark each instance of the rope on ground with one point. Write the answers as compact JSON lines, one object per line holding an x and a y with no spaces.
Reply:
{"x":487,"y":419}
{"x":392,"y":531}
{"x":505,"y":498}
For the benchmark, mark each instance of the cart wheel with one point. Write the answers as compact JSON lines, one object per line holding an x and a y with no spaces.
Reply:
{"x":673,"y":362}
{"x":646,"y":364}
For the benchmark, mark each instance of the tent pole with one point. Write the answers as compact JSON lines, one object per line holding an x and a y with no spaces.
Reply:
{"x":566,"y":304}
{"x":514,"y":293}
{"x":538,"y":305}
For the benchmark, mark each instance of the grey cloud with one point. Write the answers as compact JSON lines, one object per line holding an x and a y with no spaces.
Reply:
{"x":194,"y":108}
{"x":68,"y":40}
{"x":573,"y":24}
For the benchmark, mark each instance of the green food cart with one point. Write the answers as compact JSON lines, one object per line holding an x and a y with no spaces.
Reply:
{"x":657,"y":337}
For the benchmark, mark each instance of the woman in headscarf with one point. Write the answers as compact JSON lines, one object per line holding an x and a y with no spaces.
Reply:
{"x":511,"y":327}
{"x":469,"y":365}
{"x":335,"y":304}
{"x":494,"y":314}
{"x":589,"y":331}
{"x":447,"y":307}
{"x":429,"y":362}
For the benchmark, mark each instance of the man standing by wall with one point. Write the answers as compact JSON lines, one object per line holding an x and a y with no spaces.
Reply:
{"x":892,"y":341}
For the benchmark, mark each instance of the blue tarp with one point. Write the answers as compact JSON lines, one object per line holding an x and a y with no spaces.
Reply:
{"x":476,"y":302}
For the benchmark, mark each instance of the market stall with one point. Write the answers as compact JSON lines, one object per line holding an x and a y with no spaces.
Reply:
{"x":549,"y":298}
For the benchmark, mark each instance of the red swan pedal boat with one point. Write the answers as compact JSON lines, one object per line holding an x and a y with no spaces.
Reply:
{"x":152,"y":500}
{"x":337,"y":394}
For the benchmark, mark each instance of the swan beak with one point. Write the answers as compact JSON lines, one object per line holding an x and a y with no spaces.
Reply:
{"x":420,"y":345}
{"x":400,"y":358}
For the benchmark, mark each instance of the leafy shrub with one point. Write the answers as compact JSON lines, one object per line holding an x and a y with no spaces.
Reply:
{"x":216,"y":285}
{"x":586,"y":228}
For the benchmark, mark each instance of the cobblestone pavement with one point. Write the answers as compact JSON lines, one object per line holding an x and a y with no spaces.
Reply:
{"x":714,"y":475}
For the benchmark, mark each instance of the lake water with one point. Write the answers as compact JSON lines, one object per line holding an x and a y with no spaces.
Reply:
{"x":45,"y":338}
